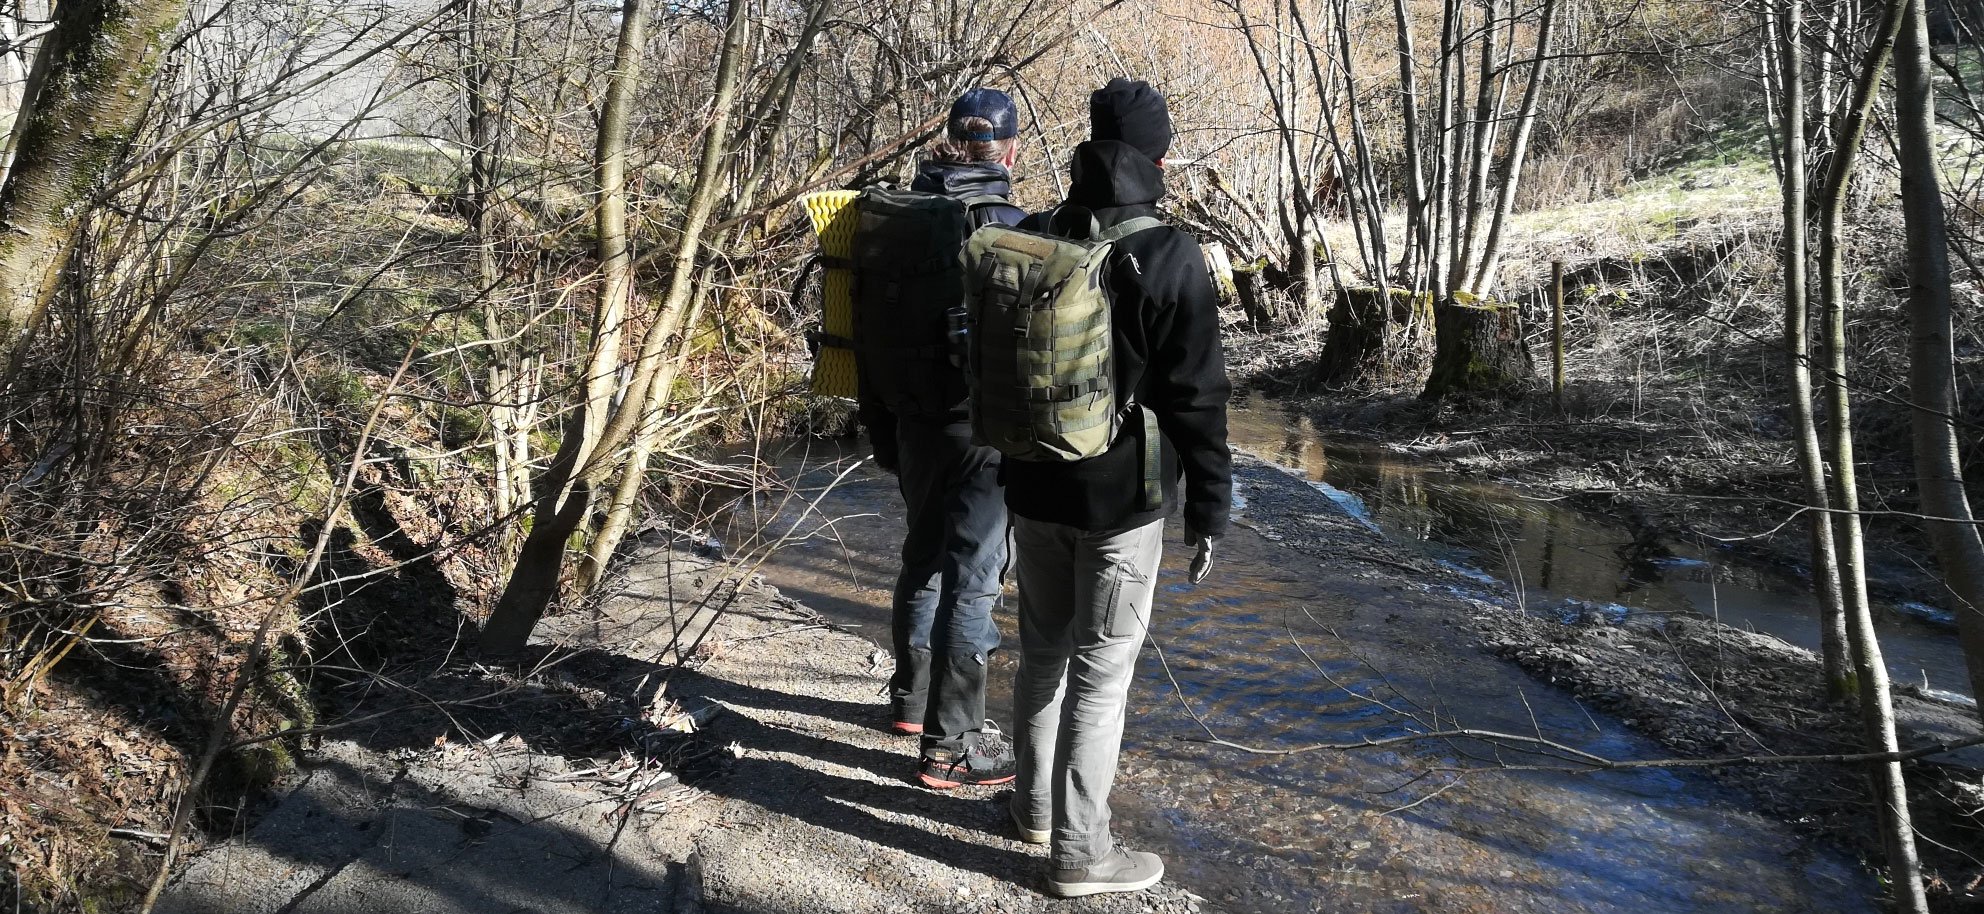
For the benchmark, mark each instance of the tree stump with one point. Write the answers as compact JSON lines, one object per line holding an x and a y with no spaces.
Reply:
{"x":1480,"y":351}
{"x":1254,"y":302}
{"x":1377,"y":339}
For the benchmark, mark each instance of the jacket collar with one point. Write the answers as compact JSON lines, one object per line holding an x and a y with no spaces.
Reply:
{"x":963,"y":179}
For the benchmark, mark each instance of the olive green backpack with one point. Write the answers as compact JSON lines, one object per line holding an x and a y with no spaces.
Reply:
{"x":1043,"y":376}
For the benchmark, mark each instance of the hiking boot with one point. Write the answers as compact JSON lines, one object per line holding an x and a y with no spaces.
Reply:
{"x":905,"y":728}
{"x":986,"y":759}
{"x":1028,"y":834}
{"x":1120,"y":871}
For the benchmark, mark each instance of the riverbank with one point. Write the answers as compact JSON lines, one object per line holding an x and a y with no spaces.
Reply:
{"x":1675,"y":415}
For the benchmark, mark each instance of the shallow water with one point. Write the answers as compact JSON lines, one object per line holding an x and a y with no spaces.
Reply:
{"x":1282,"y":649}
{"x":1549,"y":552}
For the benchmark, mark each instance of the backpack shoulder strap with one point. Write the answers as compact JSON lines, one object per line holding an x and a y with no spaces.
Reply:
{"x":980,"y":201}
{"x":1085,"y":228}
{"x":1128,"y":227}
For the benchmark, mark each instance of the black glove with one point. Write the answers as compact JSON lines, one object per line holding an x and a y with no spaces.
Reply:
{"x":1201,"y":555}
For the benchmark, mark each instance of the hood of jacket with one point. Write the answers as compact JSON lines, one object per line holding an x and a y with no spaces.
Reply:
{"x":1110,"y":173}
{"x":963,"y":179}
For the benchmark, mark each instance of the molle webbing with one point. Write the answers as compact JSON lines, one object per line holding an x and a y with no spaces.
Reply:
{"x":1042,"y":339}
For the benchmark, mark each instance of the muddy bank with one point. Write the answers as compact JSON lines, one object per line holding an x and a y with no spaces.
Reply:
{"x":1675,"y":415}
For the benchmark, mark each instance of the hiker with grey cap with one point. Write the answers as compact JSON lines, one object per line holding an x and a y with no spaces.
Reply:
{"x":908,"y":345}
{"x":1098,"y":373}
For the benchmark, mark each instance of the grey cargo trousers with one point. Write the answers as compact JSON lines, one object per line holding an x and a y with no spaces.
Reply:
{"x":1084,"y":607}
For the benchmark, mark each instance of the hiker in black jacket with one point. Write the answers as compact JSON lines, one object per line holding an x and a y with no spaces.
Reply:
{"x":954,"y":552}
{"x":1086,"y":545}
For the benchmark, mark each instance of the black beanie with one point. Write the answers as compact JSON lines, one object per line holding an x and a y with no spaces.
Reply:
{"x":1131,"y":111}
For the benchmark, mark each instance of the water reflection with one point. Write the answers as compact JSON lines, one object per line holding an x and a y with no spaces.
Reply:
{"x":1547,"y":553}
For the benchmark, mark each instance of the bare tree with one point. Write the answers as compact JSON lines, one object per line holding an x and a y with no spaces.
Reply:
{"x":91,"y":79}
{"x":1932,"y":373}
{"x":1793,"y":165}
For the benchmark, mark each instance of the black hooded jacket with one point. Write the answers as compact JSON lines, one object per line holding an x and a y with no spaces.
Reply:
{"x":958,"y":181}
{"x":1167,"y":351}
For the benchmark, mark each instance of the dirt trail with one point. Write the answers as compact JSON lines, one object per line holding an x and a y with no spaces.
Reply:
{"x":788,"y":798}
{"x":791,"y":799}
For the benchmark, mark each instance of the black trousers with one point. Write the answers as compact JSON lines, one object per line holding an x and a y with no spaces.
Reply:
{"x":953,"y":557}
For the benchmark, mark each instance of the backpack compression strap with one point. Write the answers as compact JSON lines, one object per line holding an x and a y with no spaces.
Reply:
{"x":1153,"y":459}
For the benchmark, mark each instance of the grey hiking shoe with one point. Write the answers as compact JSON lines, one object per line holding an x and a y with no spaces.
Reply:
{"x":1121,"y":871}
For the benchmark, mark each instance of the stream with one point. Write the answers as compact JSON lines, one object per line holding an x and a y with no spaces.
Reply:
{"x":1550,"y":553}
{"x":1286,"y":646}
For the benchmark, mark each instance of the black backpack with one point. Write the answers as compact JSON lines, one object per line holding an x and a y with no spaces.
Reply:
{"x":909,"y":296}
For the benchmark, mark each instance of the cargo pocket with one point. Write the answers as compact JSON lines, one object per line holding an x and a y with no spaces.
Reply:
{"x":1122,"y":619}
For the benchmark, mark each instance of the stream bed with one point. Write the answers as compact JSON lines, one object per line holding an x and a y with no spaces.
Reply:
{"x":1298,"y":642}
{"x":1548,"y":552}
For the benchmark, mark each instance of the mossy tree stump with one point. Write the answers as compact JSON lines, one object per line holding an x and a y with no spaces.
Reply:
{"x":1479,"y":350}
{"x":1377,"y":339}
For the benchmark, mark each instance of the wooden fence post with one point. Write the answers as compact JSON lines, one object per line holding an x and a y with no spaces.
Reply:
{"x":1557,"y":332}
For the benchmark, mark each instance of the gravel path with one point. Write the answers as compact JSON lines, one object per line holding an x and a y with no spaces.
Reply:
{"x":788,"y":797}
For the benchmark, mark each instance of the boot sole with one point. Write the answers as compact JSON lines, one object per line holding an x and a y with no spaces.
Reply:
{"x":905,"y":729}
{"x":1080,"y":889}
{"x":930,"y":780}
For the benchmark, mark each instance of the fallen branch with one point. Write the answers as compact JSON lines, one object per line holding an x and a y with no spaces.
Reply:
{"x":1596,"y":762}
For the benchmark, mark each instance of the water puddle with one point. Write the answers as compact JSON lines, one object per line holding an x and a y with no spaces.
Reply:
{"x":1550,"y":553}
{"x":1272,"y":652}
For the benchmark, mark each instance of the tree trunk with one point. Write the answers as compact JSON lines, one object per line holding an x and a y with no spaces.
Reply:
{"x":1297,"y":216}
{"x":1482,"y":145}
{"x":1418,"y":232}
{"x":90,"y":83}
{"x":1254,"y":303}
{"x":488,"y":45}
{"x":1479,"y":350}
{"x":1932,"y":383}
{"x":1890,"y":791}
{"x":1848,"y":135}
{"x":1491,"y":250}
{"x":616,"y":262}
{"x":1445,"y":130}
{"x":648,"y":394}
{"x":1797,"y":349}
{"x":620,"y":509}
{"x":1932,"y":369}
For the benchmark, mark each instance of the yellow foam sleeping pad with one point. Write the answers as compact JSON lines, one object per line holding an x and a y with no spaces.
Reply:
{"x":833,"y":217}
